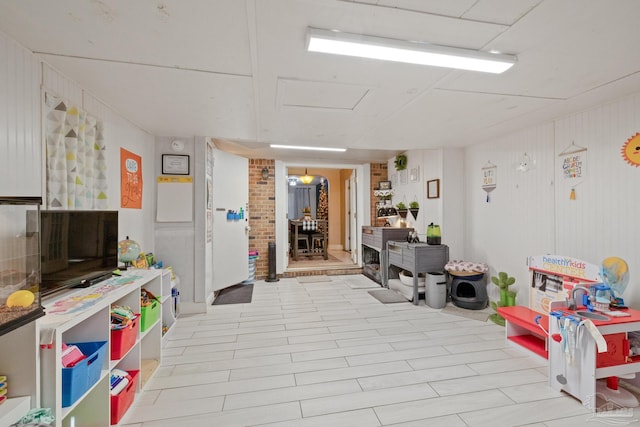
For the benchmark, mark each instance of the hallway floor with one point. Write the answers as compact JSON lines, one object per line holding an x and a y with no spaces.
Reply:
{"x":329,"y":354}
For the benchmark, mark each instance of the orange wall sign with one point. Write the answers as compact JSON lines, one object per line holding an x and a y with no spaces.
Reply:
{"x":130,"y":180}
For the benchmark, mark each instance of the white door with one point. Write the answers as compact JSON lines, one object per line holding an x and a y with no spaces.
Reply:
{"x":230,"y":235}
{"x":353,"y":223}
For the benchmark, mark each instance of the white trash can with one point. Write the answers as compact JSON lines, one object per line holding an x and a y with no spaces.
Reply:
{"x":436,"y":289}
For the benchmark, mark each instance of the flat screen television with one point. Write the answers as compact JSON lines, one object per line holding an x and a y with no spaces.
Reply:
{"x":78,"y":248}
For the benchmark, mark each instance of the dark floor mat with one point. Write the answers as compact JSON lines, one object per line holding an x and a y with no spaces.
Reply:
{"x":236,"y":294}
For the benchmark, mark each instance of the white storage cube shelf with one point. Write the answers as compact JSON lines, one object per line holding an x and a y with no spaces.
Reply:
{"x":92,"y":323}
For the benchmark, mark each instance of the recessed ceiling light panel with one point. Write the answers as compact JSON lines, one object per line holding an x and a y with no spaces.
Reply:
{"x":310,"y":147}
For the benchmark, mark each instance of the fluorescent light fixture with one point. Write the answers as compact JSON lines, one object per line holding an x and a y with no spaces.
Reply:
{"x":411,"y":52}
{"x":302,"y":147}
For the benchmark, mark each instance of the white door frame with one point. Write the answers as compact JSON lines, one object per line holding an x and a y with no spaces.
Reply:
{"x":363,"y":185}
{"x":347,"y":216}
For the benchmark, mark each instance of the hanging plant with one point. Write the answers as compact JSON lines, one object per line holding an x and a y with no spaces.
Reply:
{"x":400,"y":162}
{"x":414,"y":208}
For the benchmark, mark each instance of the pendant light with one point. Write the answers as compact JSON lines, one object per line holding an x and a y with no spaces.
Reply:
{"x":306,"y":178}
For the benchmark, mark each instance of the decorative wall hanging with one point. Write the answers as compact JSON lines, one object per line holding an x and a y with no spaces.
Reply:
{"x":394,"y":180}
{"x":130,"y":180}
{"x":402,"y":177}
{"x":573,"y":161}
{"x":631,"y":150}
{"x":489,"y":178}
{"x":414,"y":174}
{"x":400,"y":162}
{"x":525,"y":164}
{"x":76,"y":161}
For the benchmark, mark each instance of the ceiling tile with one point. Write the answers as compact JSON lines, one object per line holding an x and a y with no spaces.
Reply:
{"x":309,"y":94}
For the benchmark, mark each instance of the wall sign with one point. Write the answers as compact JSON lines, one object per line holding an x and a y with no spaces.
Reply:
{"x":130,"y":180}
{"x":573,"y":161}
{"x":489,"y":178}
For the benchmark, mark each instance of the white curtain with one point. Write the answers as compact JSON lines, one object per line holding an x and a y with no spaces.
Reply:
{"x":76,"y":162}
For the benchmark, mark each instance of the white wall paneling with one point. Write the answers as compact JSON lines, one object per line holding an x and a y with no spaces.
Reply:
{"x":603,"y":219}
{"x":20,"y":125}
{"x":519,"y":219}
{"x":453,"y":202}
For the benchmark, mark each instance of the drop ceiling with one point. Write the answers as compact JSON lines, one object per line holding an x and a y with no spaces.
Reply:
{"x":237,"y":70}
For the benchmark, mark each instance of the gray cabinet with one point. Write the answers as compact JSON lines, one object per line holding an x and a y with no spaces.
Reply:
{"x":374,"y":250}
{"x":416,"y":258}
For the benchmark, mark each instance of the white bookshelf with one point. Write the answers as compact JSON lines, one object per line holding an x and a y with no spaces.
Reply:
{"x":89,"y":321}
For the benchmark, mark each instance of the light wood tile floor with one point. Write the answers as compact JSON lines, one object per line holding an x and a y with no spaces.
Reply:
{"x":329,"y":354}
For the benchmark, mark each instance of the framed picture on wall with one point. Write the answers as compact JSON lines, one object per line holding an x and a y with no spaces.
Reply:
{"x":384,"y":185}
{"x":414,"y":174}
{"x":173,"y":164}
{"x":433,"y":189}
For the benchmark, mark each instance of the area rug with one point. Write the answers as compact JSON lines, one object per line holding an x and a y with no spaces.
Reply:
{"x":481,"y":315}
{"x":313,"y":279}
{"x":387,"y":296}
{"x":236,"y":294}
{"x":360,"y":282}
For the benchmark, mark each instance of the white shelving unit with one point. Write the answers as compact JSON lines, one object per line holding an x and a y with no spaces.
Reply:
{"x":84,"y":316}
{"x":18,"y":361}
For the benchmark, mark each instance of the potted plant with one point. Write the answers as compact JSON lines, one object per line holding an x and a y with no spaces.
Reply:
{"x":414,"y":207}
{"x":400,"y":162}
{"x":402,"y":210}
{"x":507,"y":297}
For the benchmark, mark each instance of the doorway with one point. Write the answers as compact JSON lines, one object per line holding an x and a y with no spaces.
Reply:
{"x":319,"y":194}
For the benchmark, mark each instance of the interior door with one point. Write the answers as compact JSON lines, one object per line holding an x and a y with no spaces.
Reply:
{"x":353,"y":222}
{"x":230,"y":231}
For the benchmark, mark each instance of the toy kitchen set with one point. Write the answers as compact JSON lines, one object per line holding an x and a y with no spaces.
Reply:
{"x":578,"y":321}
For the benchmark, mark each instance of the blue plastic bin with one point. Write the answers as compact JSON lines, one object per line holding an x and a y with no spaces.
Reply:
{"x":78,"y":379}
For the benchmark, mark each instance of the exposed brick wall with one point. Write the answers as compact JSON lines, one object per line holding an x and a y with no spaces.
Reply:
{"x":262,"y":212}
{"x":379,"y":172}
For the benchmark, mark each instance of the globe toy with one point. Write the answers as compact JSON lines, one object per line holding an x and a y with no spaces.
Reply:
{"x":128,"y":251}
{"x":615,"y":273}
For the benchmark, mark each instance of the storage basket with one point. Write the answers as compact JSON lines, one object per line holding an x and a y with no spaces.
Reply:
{"x":121,"y":402}
{"x":123,"y":339}
{"x":407,"y":279}
{"x":149,"y":315}
{"x":78,"y":379}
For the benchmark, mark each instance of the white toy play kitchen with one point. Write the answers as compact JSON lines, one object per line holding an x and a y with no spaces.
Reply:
{"x":578,"y":320}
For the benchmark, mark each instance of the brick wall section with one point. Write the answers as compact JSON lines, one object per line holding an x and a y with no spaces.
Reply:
{"x":262,"y":211}
{"x":379,"y":172}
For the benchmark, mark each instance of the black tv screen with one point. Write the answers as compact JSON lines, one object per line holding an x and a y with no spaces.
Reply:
{"x":78,"y":248}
